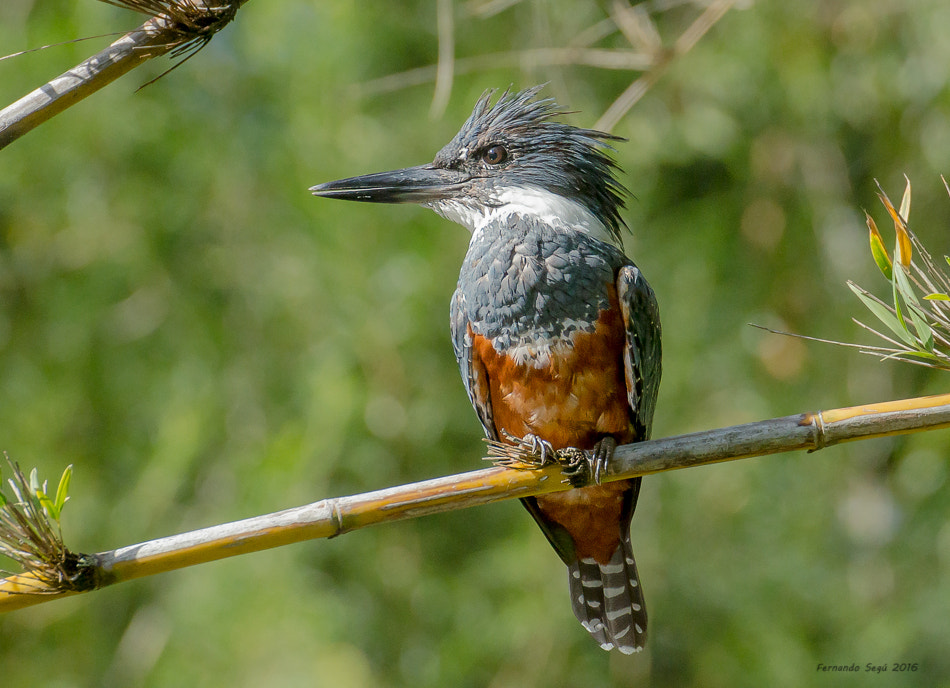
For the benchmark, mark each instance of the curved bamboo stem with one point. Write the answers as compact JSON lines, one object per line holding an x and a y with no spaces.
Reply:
{"x":331,"y":517}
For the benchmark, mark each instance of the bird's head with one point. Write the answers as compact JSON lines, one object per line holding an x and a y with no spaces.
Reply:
{"x":508,"y":158}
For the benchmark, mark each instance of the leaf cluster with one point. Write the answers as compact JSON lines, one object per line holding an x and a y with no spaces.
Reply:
{"x":917,"y":316}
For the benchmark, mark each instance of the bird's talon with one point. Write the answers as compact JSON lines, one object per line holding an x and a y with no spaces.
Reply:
{"x":582,"y":468}
{"x":525,"y":453}
{"x":601,"y":455}
{"x":539,"y":448}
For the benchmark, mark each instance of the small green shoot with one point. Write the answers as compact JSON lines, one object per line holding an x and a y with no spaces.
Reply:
{"x":53,"y":508}
{"x":28,"y":536}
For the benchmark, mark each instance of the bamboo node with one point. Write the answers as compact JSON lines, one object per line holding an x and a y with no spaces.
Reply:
{"x":820,"y":438}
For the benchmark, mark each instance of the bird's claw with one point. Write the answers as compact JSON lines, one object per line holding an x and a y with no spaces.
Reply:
{"x":528,"y":452}
{"x":540,"y":448}
{"x":582,"y":467}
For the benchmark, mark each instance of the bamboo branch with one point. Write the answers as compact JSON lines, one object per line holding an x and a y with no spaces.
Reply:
{"x":183,"y":28}
{"x":332,"y":517}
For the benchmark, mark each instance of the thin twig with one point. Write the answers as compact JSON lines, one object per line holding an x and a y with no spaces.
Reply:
{"x":600,"y":58}
{"x":332,"y":517}
{"x":635,"y":91}
{"x":61,"y":43}
{"x":445,"y":67}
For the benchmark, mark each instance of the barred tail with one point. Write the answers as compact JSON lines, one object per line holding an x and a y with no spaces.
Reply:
{"x":608,"y":600}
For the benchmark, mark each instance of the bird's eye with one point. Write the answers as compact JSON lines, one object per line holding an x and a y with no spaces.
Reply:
{"x":495,"y":155}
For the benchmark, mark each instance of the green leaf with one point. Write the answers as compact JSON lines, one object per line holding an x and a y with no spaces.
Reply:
{"x":924,"y":332}
{"x":929,"y":359}
{"x":878,"y":252}
{"x":47,"y":504}
{"x":881,"y":313}
{"x":915,"y":311}
{"x":905,"y":288}
{"x":895,"y":295}
{"x":915,"y":355}
{"x":937,"y":297}
{"x":62,"y":491}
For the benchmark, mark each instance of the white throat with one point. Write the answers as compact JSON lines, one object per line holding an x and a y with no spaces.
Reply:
{"x":529,"y":201}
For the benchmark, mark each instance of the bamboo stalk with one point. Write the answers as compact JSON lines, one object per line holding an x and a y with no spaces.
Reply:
{"x":332,"y":517}
{"x":187,"y":24}
{"x":147,"y":41}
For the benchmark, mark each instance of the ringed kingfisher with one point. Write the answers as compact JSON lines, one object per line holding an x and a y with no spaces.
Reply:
{"x":556,"y":331}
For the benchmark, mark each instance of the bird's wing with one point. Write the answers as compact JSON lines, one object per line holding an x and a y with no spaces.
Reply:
{"x":642,"y":353}
{"x":474,"y":375}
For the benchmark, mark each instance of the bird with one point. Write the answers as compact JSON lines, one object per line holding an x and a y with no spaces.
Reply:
{"x":555,"y":330}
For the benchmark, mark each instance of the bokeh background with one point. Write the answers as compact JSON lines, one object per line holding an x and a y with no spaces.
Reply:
{"x":205,"y":341}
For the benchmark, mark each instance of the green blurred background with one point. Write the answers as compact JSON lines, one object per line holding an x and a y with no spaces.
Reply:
{"x":205,"y":341}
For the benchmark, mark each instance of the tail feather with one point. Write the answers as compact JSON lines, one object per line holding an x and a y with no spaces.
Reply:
{"x":587,"y":599}
{"x":608,"y":600}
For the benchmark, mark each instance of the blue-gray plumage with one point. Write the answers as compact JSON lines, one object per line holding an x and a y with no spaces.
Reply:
{"x":524,"y":283}
{"x":556,"y":331}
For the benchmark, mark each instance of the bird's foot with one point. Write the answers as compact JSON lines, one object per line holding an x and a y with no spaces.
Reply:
{"x":526,"y":452}
{"x":582,"y":467}
{"x":542,"y":449}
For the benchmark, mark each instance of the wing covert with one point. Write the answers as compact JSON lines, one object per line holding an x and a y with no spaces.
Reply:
{"x":474,"y":375}
{"x":642,"y":353}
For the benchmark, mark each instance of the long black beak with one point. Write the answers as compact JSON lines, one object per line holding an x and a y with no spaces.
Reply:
{"x":421,"y":184}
